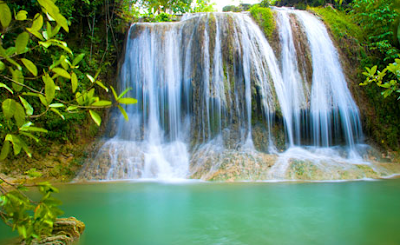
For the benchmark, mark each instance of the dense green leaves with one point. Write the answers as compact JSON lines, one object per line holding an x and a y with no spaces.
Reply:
{"x":31,"y":219}
{"x":42,"y":81}
{"x":264,"y":18}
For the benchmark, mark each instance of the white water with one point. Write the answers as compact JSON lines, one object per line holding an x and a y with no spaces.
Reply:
{"x":196,"y":99}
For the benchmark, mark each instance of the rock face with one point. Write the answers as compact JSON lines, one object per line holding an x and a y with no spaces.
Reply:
{"x":66,"y":231}
{"x":217,"y":101}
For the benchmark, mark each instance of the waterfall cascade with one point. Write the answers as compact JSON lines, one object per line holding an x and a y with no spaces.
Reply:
{"x":216,"y":101}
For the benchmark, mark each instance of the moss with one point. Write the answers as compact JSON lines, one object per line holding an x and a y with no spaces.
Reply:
{"x":264,"y":18}
{"x":348,"y":34}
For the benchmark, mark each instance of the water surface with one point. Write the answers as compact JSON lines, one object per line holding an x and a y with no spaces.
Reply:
{"x":363,"y":212}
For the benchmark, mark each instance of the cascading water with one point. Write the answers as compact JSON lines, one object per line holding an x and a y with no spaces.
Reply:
{"x":215,"y":102}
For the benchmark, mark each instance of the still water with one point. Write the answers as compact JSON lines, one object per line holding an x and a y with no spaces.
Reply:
{"x":158,"y":213}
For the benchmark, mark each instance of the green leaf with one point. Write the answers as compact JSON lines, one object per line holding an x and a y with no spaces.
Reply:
{"x":56,"y":105}
{"x":17,"y":76}
{"x":127,"y":101}
{"x":35,"y":33}
{"x":97,"y":73}
{"x":8,"y":107}
{"x":74,"y":82}
{"x":102,"y":103}
{"x":65,"y":63}
{"x":19,"y":114}
{"x":90,"y":78}
{"x":62,"y":21}
{"x":55,"y":30}
{"x":61,"y":72}
{"x":26,"y":148}
{"x":21,"y":42}
{"x":30,"y":136}
{"x":2,"y":66}
{"x":27,"y":106}
{"x":22,"y":231}
{"x":64,"y":47}
{"x":21,"y":15}
{"x":11,"y":51}
{"x":50,"y":88}
{"x":2,"y":85}
{"x":96,"y":118}
{"x":46,"y":44}
{"x":123,"y":113}
{"x":5,"y":14}
{"x":45,"y":35}
{"x":373,"y":70}
{"x":5,"y":150}
{"x":30,"y":66}
{"x":58,"y":113}
{"x":79,"y":98}
{"x":16,"y":143}
{"x":33,"y":129}
{"x":114,"y":93}
{"x":48,"y":30}
{"x":33,"y":173}
{"x":78,"y":59}
{"x":37,"y":23}
{"x":102,"y":85}
{"x":72,"y":108}
{"x":43,"y":100}
{"x":123,"y":93}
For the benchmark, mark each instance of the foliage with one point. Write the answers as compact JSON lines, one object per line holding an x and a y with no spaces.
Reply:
{"x":373,"y":75}
{"x":203,"y":6}
{"x":264,"y":17}
{"x":39,"y":76}
{"x":265,"y":3}
{"x":231,"y":8}
{"x":171,"y":6}
{"x":303,"y":4}
{"x":340,"y":23}
{"x":378,"y":19}
{"x":349,"y":35}
{"x":163,"y":17}
{"x":30,"y":93}
{"x":32,"y":219}
{"x":241,"y":7}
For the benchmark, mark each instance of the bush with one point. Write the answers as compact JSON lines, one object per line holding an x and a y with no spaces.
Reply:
{"x":264,"y":18}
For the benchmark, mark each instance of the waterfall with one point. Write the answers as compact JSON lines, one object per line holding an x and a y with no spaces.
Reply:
{"x":213,"y":94}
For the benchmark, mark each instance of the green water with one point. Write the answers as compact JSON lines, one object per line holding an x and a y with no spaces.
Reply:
{"x":364,"y":212}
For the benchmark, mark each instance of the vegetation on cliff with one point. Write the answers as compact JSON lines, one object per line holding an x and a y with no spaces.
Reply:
{"x":264,"y":18}
{"x":366,"y":32}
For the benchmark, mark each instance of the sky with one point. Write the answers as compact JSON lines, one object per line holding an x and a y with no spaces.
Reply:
{"x":222,"y":3}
